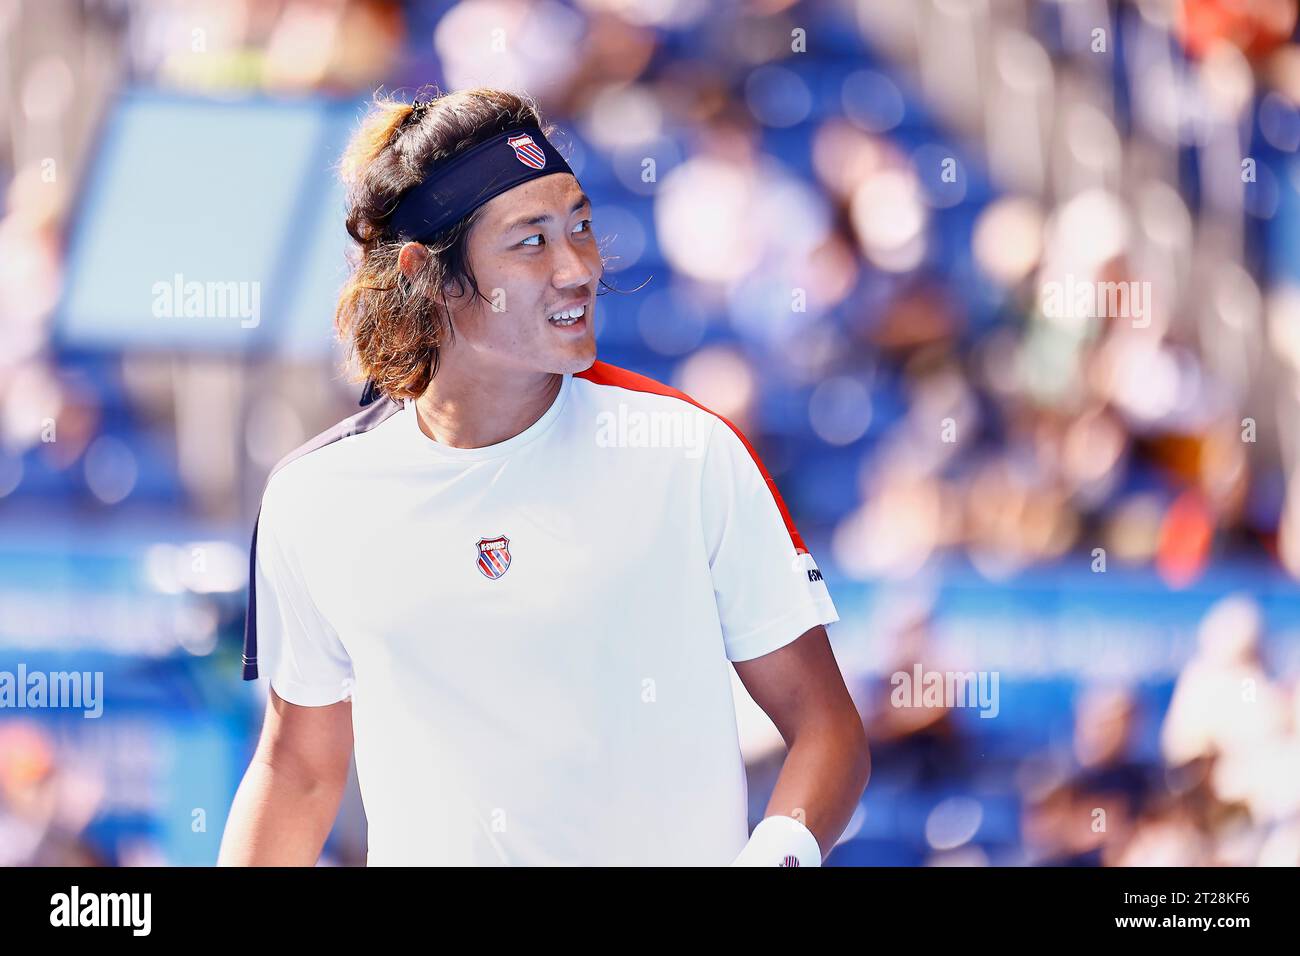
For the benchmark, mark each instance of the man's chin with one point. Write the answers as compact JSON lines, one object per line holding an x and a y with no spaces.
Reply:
{"x":578,"y":361}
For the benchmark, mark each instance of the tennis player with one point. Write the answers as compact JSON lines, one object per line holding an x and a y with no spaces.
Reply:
{"x":516,"y":581}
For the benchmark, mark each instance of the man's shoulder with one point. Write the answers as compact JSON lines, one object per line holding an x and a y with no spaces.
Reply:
{"x":313,"y":459}
{"x":610,"y":385}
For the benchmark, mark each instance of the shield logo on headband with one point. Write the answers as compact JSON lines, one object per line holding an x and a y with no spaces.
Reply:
{"x":527,"y":151}
{"x":493,"y":556}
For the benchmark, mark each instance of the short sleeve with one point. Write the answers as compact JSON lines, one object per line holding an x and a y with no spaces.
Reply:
{"x":769,"y":590}
{"x":297,"y":648}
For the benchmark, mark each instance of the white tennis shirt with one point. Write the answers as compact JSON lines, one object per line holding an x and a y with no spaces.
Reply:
{"x":535,"y":635}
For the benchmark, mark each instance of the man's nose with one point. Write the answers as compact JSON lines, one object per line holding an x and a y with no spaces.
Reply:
{"x":571,"y":266}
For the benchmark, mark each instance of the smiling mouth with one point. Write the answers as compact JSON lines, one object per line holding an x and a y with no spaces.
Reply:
{"x":569,"y":317}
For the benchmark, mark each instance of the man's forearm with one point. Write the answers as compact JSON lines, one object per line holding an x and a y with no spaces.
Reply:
{"x":278,"y":818}
{"x":821,"y":782}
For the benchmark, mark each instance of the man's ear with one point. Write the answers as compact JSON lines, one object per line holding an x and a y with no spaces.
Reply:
{"x":412,"y":259}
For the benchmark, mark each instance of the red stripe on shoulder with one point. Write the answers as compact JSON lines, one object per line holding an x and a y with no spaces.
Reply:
{"x":602,"y":373}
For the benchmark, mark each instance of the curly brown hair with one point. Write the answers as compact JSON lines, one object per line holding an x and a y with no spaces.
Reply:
{"x":395,"y":326}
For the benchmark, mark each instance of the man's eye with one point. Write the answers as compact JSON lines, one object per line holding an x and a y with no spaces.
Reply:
{"x":583,"y":226}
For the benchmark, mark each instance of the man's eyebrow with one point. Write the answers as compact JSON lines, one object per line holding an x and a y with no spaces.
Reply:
{"x":546,"y":217}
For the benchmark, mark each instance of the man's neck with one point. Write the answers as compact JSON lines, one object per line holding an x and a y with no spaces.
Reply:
{"x":469,"y":411}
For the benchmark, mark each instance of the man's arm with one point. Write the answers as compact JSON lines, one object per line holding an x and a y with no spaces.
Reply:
{"x":290,"y":794}
{"x":828,"y":761}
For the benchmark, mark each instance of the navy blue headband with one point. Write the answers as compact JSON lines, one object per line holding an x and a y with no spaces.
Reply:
{"x":453,"y":189}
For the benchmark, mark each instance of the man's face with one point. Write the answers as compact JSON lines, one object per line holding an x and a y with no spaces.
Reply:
{"x":534,"y":255}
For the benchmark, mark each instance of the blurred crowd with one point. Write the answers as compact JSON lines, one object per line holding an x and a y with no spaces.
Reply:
{"x":1014,"y":283}
{"x":890,"y":246}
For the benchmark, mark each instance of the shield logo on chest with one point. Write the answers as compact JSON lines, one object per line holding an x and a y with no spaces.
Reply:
{"x":493,"y":558}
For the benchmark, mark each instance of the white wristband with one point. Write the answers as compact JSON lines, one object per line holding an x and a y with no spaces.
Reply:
{"x":780,"y":841}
